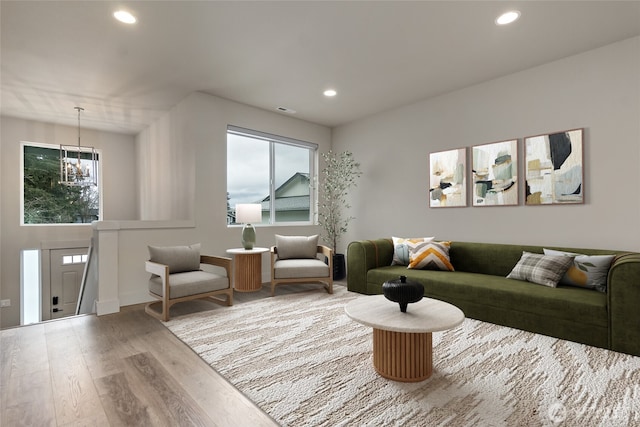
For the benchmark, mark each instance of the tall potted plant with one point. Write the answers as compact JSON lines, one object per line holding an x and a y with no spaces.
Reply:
{"x":338,"y":176}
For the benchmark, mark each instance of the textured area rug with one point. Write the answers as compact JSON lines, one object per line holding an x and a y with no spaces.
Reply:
{"x":304,"y":362}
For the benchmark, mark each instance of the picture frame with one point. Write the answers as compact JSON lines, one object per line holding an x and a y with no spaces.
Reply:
{"x":448,"y":178}
{"x":554,"y":170}
{"x":495,"y":173}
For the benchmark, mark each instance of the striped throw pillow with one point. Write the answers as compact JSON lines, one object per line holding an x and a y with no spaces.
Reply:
{"x":430,"y":256}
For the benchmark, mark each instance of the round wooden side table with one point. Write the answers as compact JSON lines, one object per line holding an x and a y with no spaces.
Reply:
{"x":247,"y":268}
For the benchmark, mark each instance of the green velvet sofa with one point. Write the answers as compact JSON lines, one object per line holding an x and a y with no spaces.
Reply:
{"x":479,"y":287}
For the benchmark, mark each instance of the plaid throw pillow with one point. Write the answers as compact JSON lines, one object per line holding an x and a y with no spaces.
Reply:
{"x":541,"y":269}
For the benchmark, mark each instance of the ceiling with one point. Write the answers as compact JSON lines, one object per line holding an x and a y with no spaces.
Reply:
{"x":56,"y":55}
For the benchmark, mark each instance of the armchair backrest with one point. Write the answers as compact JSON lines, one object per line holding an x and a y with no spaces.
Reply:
{"x":296,"y":247}
{"x":178,"y":258}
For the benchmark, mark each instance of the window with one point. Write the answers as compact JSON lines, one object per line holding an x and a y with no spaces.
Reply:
{"x":274,"y":171}
{"x":74,"y":259}
{"x":44,"y":199}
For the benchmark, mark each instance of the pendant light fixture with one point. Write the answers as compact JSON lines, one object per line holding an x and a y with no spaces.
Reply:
{"x":78,"y":164}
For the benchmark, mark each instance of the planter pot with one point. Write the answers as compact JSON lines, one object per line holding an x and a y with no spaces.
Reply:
{"x":339,"y":268}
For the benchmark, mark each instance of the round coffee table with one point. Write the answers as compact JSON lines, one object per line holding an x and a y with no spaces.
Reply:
{"x":402,"y":346}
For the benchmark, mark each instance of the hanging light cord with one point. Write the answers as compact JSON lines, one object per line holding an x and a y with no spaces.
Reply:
{"x":78,"y":167}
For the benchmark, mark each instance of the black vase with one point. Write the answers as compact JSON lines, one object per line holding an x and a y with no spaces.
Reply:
{"x":339,"y":268}
{"x":403,"y":292}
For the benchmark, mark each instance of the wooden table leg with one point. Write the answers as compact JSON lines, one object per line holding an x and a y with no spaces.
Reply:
{"x":402,"y":356}
{"x":247,"y":272}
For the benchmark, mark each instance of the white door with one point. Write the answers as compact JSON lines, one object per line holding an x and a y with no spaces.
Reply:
{"x":67,"y":267}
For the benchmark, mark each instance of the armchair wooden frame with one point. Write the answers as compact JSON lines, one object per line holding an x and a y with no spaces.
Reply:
{"x":326,"y":281}
{"x":166,"y":302}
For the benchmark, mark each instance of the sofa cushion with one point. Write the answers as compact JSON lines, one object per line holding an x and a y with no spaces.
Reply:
{"x":178,"y":258}
{"x":430,"y":256}
{"x":290,"y":247}
{"x":401,"y":247}
{"x":300,"y":268}
{"x":587,"y":271}
{"x":189,"y":283}
{"x":570,"y":304}
{"x":542,"y":269}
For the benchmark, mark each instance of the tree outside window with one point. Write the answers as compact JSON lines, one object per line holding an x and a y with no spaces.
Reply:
{"x":45,"y":200}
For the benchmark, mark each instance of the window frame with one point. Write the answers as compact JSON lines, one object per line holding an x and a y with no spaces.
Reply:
{"x":274,"y":140}
{"x":56,"y":147}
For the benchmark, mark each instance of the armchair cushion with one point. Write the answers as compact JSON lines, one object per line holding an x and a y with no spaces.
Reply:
{"x":300,"y":268}
{"x":178,"y":258}
{"x":189,"y":283}
{"x":296,"y":247}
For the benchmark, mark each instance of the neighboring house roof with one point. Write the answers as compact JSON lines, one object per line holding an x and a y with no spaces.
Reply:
{"x":292,"y":195}
{"x":295,"y":203}
{"x":296,"y":185}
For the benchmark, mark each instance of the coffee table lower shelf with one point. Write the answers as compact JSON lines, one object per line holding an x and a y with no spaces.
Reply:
{"x":402,"y":356}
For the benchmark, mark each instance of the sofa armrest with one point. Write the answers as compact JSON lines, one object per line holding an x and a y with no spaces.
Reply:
{"x":364,"y":255}
{"x":623,"y":293}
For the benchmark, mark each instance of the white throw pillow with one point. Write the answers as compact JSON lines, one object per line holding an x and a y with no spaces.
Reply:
{"x":587,"y":271}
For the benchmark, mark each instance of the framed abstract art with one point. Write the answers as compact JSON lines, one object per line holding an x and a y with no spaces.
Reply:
{"x":447,"y":178}
{"x":495,"y":174}
{"x":554,"y":168}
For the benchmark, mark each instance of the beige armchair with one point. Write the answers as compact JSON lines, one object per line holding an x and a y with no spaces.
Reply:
{"x":294,"y":259}
{"x":177,"y":276}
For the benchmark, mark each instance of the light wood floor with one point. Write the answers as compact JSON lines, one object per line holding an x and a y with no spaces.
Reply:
{"x":120,"y":369}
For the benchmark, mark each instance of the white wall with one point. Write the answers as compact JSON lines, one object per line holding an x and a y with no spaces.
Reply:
{"x":198,"y":125}
{"x":166,"y":171}
{"x":598,"y":90}
{"x":119,"y":196}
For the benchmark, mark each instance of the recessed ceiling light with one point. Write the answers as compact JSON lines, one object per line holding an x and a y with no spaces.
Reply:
{"x":330,"y":93}
{"x":124,"y":16}
{"x":508,"y":17}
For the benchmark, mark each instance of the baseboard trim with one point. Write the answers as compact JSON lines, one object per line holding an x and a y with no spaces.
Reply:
{"x":133,"y":298}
